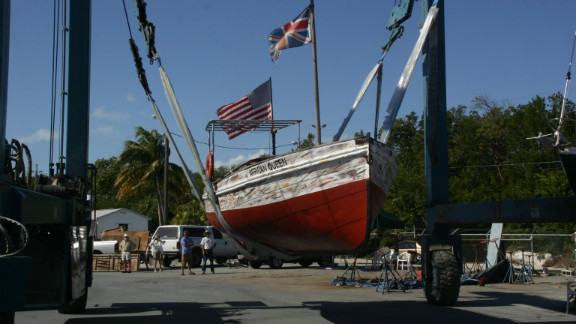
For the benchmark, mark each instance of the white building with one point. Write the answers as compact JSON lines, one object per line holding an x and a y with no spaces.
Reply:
{"x":127,"y":218}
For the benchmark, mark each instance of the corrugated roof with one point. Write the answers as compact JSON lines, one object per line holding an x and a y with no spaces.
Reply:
{"x":105,"y":212}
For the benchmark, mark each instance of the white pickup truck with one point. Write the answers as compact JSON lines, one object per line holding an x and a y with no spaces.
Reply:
{"x":172,"y":234}
{"x":105,"y":247}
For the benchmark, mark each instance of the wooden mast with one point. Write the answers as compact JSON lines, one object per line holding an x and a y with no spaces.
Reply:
{"x":317,"y":99}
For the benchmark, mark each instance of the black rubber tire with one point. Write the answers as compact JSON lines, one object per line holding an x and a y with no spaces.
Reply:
{"x":255,"y":264}
{"x":443,"y":288}
{"x":196,"y":258}
{"x":275,"y":263}
{"x":167,"y":261}
{"x":77,"y":306}
{"x":7,"y":317}
{"x":305,"y":264}
{"x":326,"y":261}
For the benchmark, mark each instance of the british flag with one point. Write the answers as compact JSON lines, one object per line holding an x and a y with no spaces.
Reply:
{"x":293,"y":34}
{"x":257,"y":105}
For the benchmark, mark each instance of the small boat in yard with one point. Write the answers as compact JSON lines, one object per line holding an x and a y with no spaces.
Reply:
{"x":315,"y":201}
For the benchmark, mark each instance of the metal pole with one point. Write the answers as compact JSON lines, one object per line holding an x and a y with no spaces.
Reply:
{"x":273,"y":132}
{"x":313,"y":34}
{"x":435,"y":124}
{"x":78,"y":121}
{"x":166,"y":162}
{"x":4,"y":51}
{"x":378,"y":96}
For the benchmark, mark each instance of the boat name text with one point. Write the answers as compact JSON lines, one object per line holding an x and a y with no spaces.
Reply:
{"x":270,"y":166}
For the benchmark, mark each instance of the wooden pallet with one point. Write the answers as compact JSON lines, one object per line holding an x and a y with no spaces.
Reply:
{"x":112,"y":262}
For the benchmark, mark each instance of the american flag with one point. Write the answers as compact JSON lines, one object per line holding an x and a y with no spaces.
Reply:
{"x":293,"y":34}
{"x":257,"y":105}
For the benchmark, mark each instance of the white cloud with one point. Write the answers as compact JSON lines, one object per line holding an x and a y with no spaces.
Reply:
{"x":130,"y":98}
{"x":239,"y":159}
{"x":102,"y":114}
{"x":258,"y":154}
{"x":106,"y":130}
{"x":147,"y":114}
{"x":41,"y":135}
{"x":342,"y":137}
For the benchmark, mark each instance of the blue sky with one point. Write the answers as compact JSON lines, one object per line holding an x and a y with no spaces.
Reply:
{"x":216,"y":51}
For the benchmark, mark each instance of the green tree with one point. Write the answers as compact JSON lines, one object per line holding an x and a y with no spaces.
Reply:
{"x":308,"y":142}
{"x":106,"y":171}
{"x":489,"y":156}
{"x":191,"y":213}
{"x":407,"y":195}
{"x":141,"y":170}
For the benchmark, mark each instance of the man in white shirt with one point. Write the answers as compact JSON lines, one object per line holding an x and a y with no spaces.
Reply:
{"x":208,"y":246}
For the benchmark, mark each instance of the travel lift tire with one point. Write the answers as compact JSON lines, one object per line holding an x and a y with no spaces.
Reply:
{"x":443,"y":288}
{"x":77,"y":306}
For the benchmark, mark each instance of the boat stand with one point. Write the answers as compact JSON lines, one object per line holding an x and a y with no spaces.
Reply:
{"x":390,"y":279}
{"x":511,"y":273}
{"x":524,"y":275}
{"x":349,"y":274}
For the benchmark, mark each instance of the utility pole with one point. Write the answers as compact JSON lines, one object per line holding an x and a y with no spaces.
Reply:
{"x":166,"y":162}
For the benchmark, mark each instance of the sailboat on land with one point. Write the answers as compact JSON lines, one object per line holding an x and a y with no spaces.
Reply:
{"x":315,"y":201}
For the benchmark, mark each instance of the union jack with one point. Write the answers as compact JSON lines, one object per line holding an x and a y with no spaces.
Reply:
{"x":257,"y":105}
{"x":293,"y":34}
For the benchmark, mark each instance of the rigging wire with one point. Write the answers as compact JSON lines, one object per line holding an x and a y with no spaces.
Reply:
{"x":127,"y":19}
{"x":503,"y":164}
{"x":60,"y":167}
{"x":235,"y":147}
{"x":571,"y":57}
{"x":532,"y":171}
{"x":55,"y":45}
{"x":558,"y":133}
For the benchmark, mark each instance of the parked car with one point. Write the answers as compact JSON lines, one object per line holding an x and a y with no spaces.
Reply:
{"x":276,"y":263}
{"x":172,"y":234}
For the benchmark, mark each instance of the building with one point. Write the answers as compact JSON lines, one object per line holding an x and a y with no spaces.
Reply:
{"x":120,"y":217}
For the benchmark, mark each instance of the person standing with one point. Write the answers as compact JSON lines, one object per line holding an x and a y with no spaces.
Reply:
{"x":157,"y":250}
{"x":126,"y":247}
{"x":208,"y":246}
{"x":186,"y":243}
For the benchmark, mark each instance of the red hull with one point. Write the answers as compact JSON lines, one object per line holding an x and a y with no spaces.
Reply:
{"x":336,"y":219}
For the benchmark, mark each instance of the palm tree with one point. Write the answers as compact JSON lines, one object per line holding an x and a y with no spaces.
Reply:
{"x":142,"y":170}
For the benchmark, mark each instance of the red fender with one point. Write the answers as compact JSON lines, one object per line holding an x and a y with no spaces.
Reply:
{"x":210,"y":165}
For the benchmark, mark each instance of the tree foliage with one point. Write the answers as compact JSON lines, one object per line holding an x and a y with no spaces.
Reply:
{"x":308,"y":142}
{"x":489,"y":156}
{"x":141,"y":170}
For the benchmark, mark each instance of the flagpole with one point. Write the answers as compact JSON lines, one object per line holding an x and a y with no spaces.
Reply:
{"x":272,"y":130}
{"x":317,"y":100}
